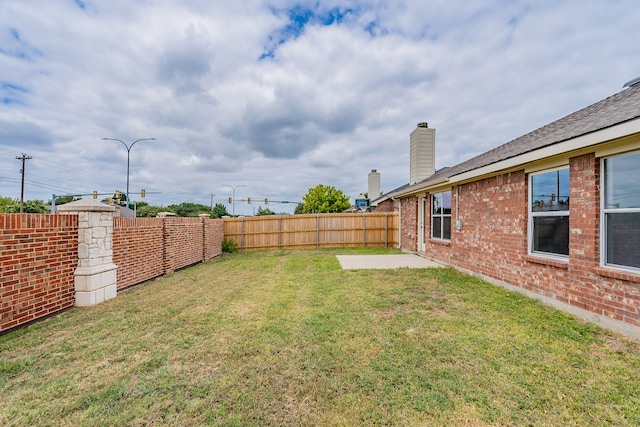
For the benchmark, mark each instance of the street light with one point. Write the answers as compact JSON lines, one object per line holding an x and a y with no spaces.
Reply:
{"x":233,"y":200}
{"x":128,"y":147}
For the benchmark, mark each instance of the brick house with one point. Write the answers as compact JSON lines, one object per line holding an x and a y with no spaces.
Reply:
{"x":554,"y":214}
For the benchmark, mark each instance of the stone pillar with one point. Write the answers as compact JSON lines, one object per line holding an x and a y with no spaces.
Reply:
{"x":95,"y":277}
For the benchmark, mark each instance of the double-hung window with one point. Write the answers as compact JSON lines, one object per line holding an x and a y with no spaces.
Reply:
{"x":621,"y":210}
{"x":549,"y":213}
{"x":441,"y":215}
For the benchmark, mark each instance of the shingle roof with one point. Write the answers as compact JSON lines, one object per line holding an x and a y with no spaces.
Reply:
{"x":611,"y":111}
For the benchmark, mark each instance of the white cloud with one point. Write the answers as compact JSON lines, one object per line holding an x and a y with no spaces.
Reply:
{"x":280,"y":95}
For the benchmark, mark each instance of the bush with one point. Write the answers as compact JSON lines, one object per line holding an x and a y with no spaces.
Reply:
{"x":229,"y":246}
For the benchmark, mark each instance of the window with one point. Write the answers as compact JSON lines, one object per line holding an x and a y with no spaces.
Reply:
{"x":549,"y":213}
{"x":621,"y":210}
{"x":441,"y":216}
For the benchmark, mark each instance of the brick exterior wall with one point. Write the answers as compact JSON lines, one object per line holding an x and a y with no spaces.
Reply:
{"x":387,"y":206}
{"x":409,"y":223}
{"x":493,"y":242}
{"x":38,"y":255}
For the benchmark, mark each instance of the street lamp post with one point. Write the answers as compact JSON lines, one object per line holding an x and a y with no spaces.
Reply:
{"x":128,"y":147}
{"x":233,"y":199}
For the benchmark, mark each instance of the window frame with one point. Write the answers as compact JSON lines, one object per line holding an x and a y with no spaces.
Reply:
{"x":544,"y":214}
{"x":604,"y":211}
{"x":442,"y":215}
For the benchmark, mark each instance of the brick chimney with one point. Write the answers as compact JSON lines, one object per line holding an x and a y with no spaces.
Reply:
{"x":422,"y":153}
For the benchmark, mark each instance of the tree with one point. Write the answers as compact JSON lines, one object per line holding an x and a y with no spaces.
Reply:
{"x":324,"y":199}
{"x":265,"y":211}
{"x":61,"y":200}
{"x":220,"y":210}
{"x":190,"y":209}
{"x":149,"y":211}
{"x":35,"y":206}
{"x":8,"y":205}
{"x":30,"y":206}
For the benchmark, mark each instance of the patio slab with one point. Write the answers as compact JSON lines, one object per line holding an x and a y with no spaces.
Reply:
{"x":362,"y":262}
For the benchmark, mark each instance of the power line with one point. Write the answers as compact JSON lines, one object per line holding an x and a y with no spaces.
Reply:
{"x":24,"y":159}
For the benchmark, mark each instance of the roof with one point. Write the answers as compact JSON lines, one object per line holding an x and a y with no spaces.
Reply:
{"x":616,"y":109}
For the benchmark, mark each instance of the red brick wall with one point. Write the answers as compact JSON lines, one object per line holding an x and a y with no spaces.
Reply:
{"x":213,"y":237}
{"x":612,"y":293}
{"x":137,"y":249}
{"x":144,"y":248}
{"x":387,"y":206}
{"x":493,"y":242}
{"x":38,"y":255}
{"x":184,"y":242}
{"x":409,"y":223}
{"x":493,"y":237}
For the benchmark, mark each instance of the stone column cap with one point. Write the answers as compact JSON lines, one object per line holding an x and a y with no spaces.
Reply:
{"x":85,"y":205}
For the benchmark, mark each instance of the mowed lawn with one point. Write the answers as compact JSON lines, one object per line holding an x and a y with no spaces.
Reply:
{"x":288,"y":338}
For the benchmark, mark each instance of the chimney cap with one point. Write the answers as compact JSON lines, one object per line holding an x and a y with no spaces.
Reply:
{"x":423,"y":125}
{"x":373,"y":170}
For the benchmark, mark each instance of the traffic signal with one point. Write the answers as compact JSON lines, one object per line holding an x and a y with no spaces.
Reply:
{"x":249,"y":200}
{"x":110,"y":200}
{"x":142,"y":193}
{"x":230,"y":199}
{"x":117,"y":194}
{"x":95,"y":194}
{"x":266,"y":201}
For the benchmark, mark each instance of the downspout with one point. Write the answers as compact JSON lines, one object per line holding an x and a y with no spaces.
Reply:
{"x":422,"y":220}
{"x":458,"y":222}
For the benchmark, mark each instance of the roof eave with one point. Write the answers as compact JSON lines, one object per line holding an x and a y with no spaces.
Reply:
{"x":578,"y":143}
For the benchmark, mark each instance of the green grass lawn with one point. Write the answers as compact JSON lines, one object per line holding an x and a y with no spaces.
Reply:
{"x":288,"y":338}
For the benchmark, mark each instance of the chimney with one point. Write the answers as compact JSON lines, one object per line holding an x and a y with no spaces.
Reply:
{"x":422,"y":153}
{"x":374,"y":185}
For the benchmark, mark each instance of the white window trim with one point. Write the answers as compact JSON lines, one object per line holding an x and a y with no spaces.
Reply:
{"x":603,"y":221}
{"x":532,"y":215}
{"x":443,"y":215}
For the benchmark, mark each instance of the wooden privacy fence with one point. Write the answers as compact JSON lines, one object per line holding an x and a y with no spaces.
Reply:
{"x":313,"y":230}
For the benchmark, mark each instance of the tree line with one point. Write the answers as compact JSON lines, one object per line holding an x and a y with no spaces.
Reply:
{"x":318,"y":199}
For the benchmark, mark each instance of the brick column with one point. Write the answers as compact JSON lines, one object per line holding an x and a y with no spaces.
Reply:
{"x":169,"y":244}
{"x":95,"y":276}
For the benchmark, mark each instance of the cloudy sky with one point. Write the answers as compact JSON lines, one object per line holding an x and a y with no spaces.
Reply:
{"x":277,"y":96}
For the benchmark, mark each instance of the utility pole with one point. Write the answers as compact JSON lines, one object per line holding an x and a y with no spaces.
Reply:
{"x":24,"y":159}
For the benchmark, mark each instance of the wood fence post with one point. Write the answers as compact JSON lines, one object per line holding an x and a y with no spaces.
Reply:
{"x":242,"y":234}
{"x":386,"y":229}
{"x":364,"y":230}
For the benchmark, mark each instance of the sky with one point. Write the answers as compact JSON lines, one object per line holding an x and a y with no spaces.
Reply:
{"x":276,"y":97}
